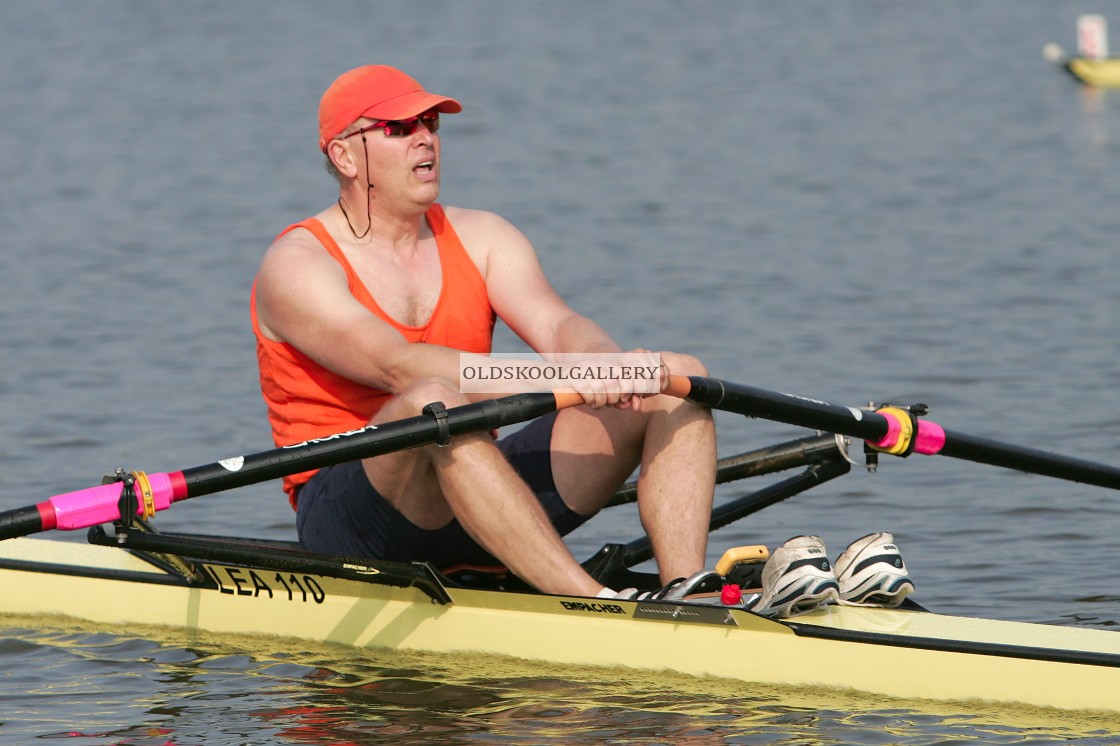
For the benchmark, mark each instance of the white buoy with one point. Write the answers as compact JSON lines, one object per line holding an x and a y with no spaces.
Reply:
{"x":1092,"y":37}
{"x":1053,"y":52}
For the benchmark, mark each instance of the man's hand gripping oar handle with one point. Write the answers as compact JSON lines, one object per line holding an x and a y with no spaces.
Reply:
{"x":154,"y":492}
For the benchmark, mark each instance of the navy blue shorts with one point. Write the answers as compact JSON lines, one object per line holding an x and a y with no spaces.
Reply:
{"x":340,"y":512}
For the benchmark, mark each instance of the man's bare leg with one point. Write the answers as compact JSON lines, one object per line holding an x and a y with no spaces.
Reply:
{"x":675,"y":443}
{"x":471,"y":480}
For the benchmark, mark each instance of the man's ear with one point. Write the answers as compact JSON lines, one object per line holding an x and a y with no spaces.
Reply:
{"x":342,"y":158}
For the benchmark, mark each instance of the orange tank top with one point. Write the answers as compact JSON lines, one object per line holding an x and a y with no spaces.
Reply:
{"x":306,"y":401}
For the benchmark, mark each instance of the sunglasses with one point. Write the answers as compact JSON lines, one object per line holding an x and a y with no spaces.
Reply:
{"x":402,"y":127}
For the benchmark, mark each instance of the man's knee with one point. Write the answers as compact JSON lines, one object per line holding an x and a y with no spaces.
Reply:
{"x":684,"y":365}
{"x":420,"y":394}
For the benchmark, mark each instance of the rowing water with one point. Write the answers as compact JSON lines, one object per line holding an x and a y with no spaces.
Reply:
{"x":298,"y":692}
{"x":851,"y":202}
{"x":178,"y":688}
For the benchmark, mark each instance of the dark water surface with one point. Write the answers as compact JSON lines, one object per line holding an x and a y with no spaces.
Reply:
{"x":850,"y":201}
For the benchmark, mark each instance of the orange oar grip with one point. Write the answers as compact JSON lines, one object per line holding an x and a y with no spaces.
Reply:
{"x":567,"y":398}
{"x":679,"y":386}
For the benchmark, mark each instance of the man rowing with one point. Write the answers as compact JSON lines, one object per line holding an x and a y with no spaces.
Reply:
{"x":361,"y":313}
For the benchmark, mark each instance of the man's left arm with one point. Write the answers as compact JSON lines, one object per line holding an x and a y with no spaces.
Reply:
{"x":525,"y":300}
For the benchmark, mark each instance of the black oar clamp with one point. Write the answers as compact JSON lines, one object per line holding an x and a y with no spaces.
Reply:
{"x":128,"y":503}
{"x":439,"y":412}
{"x":870,"y":458}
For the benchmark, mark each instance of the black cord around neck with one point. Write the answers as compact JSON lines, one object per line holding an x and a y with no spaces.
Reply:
{"x":369,"y":186}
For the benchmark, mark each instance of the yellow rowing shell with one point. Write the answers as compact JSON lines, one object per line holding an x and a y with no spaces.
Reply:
{"x":898,"y":653}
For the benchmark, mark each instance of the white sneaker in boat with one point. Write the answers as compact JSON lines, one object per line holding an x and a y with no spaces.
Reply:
{"x":797,"y":578}
{"x":871,"y":572}
{"x":699,"y":587}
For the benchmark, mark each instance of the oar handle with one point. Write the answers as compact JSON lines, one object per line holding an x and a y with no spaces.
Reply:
{"x":679,"y":386}
{"x":567,"y":398}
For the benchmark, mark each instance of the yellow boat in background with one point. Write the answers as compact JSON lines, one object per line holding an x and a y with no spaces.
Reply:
{"x":1092,"y":65}
{"x":1097,"y":73}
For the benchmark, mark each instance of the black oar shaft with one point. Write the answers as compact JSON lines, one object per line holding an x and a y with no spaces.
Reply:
{"x":102,"y":504}
{"x":365,"y":442}
{"x":792,"y":410}
{"x":20,"y":522}
{"x":993,"y":452}
{"x":874,"y":427}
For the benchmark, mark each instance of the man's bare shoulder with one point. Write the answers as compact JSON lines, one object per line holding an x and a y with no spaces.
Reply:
{"x":296,"y":257}
{"x":297,"y":245}
{"x":477,"y":223}
{"x":297,"y":241}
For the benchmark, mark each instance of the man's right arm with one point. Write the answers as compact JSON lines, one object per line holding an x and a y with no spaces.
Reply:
{"x":303,"y":299}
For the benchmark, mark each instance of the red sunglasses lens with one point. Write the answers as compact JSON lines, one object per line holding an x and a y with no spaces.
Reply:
{"x":406,"y":127}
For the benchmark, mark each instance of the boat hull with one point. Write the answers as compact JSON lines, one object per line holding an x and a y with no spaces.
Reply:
{"x":1097,"y":73}
{"x":910,"y":654}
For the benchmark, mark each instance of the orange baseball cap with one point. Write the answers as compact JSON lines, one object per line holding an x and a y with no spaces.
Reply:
{"x":377,"y":92}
